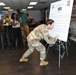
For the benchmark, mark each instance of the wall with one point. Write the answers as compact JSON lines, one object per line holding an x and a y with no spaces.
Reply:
{"x":34,"y":14}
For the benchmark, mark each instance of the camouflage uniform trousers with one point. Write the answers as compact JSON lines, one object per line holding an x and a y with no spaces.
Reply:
{"x":39,"y":47}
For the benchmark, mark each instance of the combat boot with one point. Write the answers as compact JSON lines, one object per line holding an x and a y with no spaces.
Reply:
{"x":23,"y":60}
{"x":42,"y":63}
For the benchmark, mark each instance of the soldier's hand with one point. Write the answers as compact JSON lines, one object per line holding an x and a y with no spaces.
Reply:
{"x":57,"y":36}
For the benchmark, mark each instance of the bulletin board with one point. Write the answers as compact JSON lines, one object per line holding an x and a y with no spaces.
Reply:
{"x":60,"y":12}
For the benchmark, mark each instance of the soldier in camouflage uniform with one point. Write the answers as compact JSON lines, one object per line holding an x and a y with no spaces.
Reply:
{"x":40,"y":32}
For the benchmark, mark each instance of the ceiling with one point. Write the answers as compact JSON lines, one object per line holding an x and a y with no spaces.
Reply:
{"x":23,"y":4}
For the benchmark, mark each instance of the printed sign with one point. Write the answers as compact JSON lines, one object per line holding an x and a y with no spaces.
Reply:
{"x":61,"y":12}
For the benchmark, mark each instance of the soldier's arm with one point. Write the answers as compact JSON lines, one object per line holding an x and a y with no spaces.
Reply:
{"x":49,"y":39}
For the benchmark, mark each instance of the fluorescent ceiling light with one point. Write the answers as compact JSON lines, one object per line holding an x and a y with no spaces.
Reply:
{"x":10,"y":10}
{"x":23,"y":9}
{"x":1,"y":4}
{"x":4,"y":11}
{"x":33,"y":3}
{"x":30,"y":7}
{"x":6,"y":7}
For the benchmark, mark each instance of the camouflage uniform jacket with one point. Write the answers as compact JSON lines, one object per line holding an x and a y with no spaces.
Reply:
{"x":40,"y":32}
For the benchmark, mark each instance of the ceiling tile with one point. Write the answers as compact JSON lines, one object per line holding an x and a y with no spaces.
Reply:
{"x":21,"y":4}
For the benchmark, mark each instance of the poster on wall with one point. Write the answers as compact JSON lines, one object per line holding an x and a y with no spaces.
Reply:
{"x":61,"y":12}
